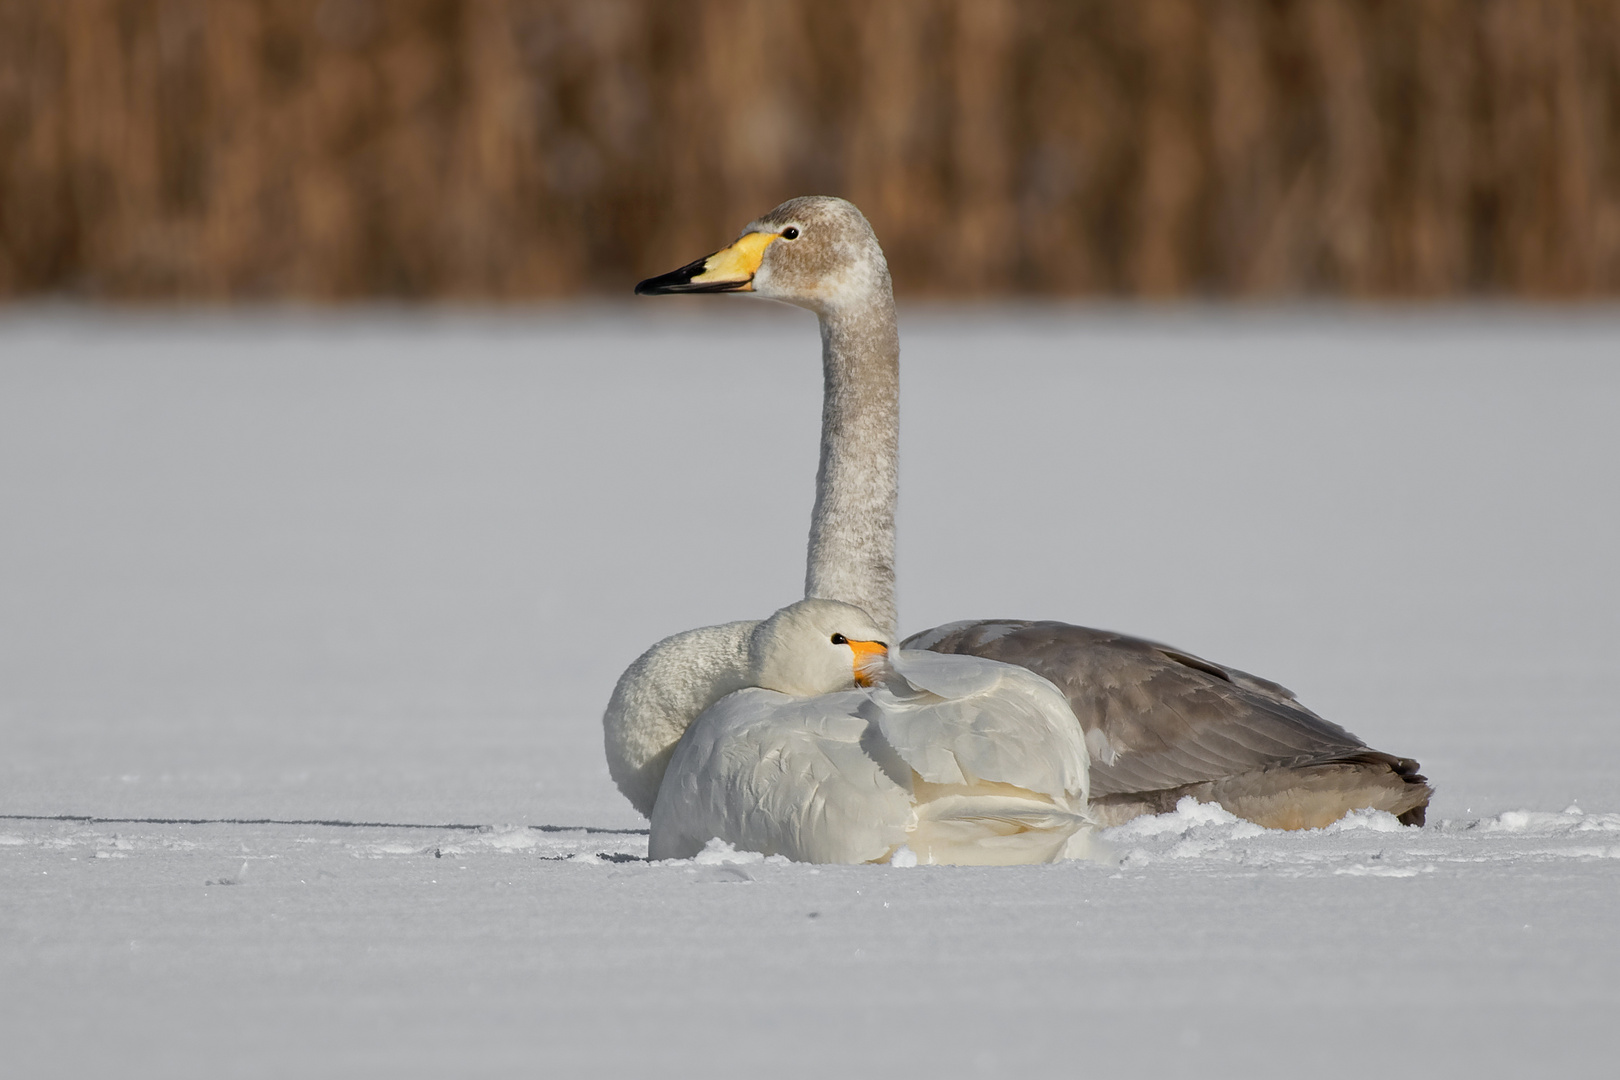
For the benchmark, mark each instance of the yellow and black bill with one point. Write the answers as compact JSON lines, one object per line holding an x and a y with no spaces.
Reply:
{"x":729,"y":270}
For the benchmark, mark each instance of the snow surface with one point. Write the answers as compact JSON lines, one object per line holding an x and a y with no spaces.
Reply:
{"x":308,"y":621}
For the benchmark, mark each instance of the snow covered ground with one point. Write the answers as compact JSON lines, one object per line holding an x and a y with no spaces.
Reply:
{"x":306,"y":623}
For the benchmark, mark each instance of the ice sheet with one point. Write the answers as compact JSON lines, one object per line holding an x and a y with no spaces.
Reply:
{"x":385,"y":569}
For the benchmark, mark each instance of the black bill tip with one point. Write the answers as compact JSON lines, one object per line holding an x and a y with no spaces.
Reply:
{"x":680,"y":281}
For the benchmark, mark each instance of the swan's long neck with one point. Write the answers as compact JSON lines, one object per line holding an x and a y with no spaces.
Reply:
{"x":660,"y":695}
{"x":857,"y":484}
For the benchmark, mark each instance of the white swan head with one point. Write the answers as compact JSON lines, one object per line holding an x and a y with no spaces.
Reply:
{"x":816,"y":252}
{"x":816,"y":647}
{"x":670,"y":684}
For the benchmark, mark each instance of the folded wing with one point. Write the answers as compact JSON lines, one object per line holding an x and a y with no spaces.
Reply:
{"x":963,"y":719}
{"x":1157,"y":717}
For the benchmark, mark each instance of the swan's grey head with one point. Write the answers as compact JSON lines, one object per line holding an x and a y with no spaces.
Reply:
{"x":816,"y":251}
{"x":816,"y":647}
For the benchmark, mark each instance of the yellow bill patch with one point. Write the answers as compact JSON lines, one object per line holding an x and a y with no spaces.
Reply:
{"x":736,"y":264}
{"x":869,"y":657}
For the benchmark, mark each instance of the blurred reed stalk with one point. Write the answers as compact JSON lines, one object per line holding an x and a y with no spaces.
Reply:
{"x":505,"y":149}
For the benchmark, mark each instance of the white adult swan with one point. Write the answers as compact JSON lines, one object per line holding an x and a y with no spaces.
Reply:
{"x":953,"y":758}
{"x":1160,"y":722}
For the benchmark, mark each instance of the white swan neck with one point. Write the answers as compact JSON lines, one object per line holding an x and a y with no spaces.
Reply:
{"x":851,"y":555}
{"x":659,"y":696}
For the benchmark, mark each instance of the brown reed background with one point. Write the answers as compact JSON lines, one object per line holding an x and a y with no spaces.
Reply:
{"x":510,"y":149}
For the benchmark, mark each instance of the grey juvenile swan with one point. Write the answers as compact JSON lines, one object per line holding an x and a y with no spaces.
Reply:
{"x":1160,"y":723}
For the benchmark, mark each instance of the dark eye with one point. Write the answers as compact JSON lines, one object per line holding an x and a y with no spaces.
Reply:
{"x":790,"y":233}
{"x":840,"y":639}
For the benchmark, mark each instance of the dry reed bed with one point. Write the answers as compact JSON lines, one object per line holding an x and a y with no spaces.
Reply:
{"x":336,"y":149}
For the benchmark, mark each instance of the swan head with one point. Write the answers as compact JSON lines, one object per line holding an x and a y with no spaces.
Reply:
{"x":816,"y":251}
{"x":817,"y":647}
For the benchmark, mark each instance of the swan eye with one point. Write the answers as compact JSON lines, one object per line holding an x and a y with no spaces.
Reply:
{"x":790,"y":233}
{"x":840,"y":639}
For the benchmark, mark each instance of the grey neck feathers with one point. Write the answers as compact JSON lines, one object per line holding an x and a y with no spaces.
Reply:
{"x":857,"y":484}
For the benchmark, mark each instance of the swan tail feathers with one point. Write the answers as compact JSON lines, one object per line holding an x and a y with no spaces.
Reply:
{"x":995,"y":830}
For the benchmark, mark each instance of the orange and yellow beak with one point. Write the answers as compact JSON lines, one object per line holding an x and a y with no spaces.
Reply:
{"x":728,"y":270}
{"x":870,"y":658}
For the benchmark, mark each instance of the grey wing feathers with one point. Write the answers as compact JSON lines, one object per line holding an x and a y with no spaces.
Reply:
{"x":1157,"y":717}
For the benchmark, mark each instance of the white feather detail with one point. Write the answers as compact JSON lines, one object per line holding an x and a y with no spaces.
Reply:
{"x":983,"y":765}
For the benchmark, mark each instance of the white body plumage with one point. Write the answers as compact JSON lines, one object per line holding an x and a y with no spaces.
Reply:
{"x":958,"y":759}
